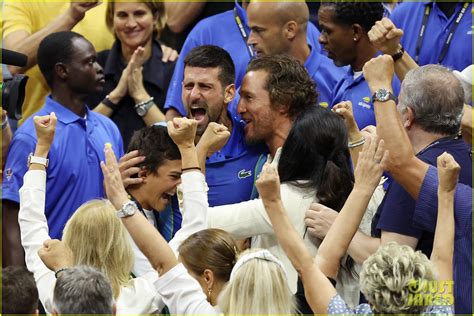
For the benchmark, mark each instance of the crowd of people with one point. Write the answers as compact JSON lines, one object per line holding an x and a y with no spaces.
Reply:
{"x":279,"y":161}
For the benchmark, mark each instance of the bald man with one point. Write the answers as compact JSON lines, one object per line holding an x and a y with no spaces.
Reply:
{"x":280,"y":28}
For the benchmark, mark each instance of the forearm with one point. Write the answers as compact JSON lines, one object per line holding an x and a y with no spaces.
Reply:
{"x":154,"y":115}
{"x":443,"y":245}
{"x":202,"y":157}
{"x":171,"y":114}
{"x":150,"y":242}
{"x":181,"y":14}
{"x":339,"y":236}
{"x":28,"y":43}
{"x":6,"y":140}
{"x":12,"y":251}
{"x":404,"y":65}
{"x":189,"y":158}
{"x":362,"y":246}
{"x":288,"y":238}
{"x":103,"y":109}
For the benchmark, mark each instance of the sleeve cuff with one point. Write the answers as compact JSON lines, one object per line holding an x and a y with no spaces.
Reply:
{"x":193,"y":181}
{"x":35,"y":179}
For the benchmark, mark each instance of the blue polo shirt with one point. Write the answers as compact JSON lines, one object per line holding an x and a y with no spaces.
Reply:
{"x":325,"y":74}
{"x":220,"y":30}
{"x":230,"y":172}
{"x":73,"y":175}
{"x":409,"y":17}
{"x":357,"y":91}
{"x":397,"y":211}
{"x":425,"y":216}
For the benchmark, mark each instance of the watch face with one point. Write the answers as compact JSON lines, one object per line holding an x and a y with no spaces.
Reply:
{"x":129,"y":209}
{"x":141,"y":110}
{"x":382,"y":95}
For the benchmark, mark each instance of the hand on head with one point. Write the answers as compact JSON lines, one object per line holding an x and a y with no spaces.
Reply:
{"x":182,"y":131}
{"x":385,"y":36}
{"x":371,"y":163}
{"x":56,"y":255}
{"x":268,"y":184}
{"x":448,"y":173}
{"x":215,"y":137}
{"x":45,"y":127}
{"x":128,"y":167}
{"x":319,"y":219}
{"x":113,"y":179}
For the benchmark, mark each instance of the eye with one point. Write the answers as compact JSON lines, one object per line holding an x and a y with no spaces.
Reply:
{"x":121,"y":15}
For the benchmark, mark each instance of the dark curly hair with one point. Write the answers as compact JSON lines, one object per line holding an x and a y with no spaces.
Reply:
{"x":156,"y":145}
{"x":288,"y":83}
{"x":363,"y":13}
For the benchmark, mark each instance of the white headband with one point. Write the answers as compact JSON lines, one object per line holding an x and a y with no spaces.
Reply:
{"x":262,"y":255}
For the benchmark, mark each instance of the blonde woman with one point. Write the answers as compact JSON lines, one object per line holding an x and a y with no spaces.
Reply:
{"x":179,"y":290}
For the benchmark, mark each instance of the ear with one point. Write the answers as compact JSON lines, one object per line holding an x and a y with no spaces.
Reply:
{"x":291,"y":29}
{"x":357,"y":32}
{"x":410,"y":118}
{"x":61,"y":71}
{"x":209,"y":278}
{"x":229,"y":93}
{"x":143,"y":173}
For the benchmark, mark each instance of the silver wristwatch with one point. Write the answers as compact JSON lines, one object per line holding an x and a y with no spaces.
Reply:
{"x":142,"y":108}
{"x":383,"y":95}
{"x":128,"y":209}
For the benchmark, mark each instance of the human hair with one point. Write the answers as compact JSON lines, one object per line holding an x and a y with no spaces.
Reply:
{"x":55,"y":48}
{"x":386,"y":277}
{"x":19,"y":292}
{"x":83,"y":290}
{"x":157,"y":8}
{"x":315,"y":155}
{"x":212,"y":249}
{"x":363,"y":13}
{"x":156,"y":145}
{"x":98,"y":239}
{"x":436,"y":97}
{"x":258,"y":286}
{"x":288,"y":83}
{"x":210,"y":56}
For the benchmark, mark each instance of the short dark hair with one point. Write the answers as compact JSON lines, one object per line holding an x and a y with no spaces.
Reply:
{"x":288,"y":83}
{"x":55,"y":48}
{"x":363,"y":13}
{"x":210,"y":56}
{"x":156,"y":145}
{"x":19,"y":292}
{"x":83,"y":290}
{"x":316,"y":152}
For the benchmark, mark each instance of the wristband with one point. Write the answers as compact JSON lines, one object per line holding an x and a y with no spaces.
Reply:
{"x":56,"y":274}
{"x":109,"y":103}
{"x":399,"y":54}
{"x":357,"y":143}
{"x":191,"y":168}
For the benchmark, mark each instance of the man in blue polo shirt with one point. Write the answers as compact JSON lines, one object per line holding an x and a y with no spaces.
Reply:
{"x":344,"y":28}
{"x":229,"y":31}
{"x":68,"y":62}
{"x":280,"y":28}
{"x":208,"y":93}
{"x":436,"y":32}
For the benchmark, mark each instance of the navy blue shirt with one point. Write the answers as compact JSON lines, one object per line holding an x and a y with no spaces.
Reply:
{"x":74,"y":175}
{"x":409,"y":17}
{"x":221,"y":30}
{"x":357,"y":91}
{"x":230,"y":172}
{"x":425,"y":217}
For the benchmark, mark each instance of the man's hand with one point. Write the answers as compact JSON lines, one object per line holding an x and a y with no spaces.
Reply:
{"x":385,"y":36}
{"x":56,"y":255}
{"x":344,"y":109}
{"x":182,"y":131}
{"x":370,"y":165}
{"x":319,"y":219}
{"x":169,"y":54}
{"x":78,"y":10}
{"x":112,"y":179}
{"x":268,"y":184}
{"x":448,"y":173}
{"x":214,"y":138}
{"x":378,"y":72}
{"x":45,"y":127}
{"x":128,"y":168}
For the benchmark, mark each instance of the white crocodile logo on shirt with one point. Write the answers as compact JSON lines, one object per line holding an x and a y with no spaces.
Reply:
{"x":244,"y":174}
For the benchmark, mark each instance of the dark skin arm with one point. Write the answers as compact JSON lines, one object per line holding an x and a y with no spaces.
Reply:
{"x":12,"y":253}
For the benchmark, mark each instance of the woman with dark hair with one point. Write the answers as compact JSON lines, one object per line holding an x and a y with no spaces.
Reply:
{"x":314,"y":167}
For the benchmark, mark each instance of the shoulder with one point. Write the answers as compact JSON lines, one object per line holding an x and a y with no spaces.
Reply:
{"x":404,"y":11}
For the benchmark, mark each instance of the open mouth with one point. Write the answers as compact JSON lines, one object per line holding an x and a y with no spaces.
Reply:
{"x":167,"y":196}
{"x":198,"y":113}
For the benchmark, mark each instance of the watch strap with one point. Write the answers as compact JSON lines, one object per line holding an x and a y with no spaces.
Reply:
{"x":109,"y":103}
{"x":399,"y":54}
{"x":128,"y":209}
{"x":37,"y":160}
{"x":142,"y":108}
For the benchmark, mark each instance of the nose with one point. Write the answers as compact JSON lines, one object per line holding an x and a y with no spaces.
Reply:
{"x":241,"y":107}
{"x":98,"y":68}
{"x":195,"y":93}
{"x":131,"y":23}
{"x":251,"y":40}
{"x":322,"y":38}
